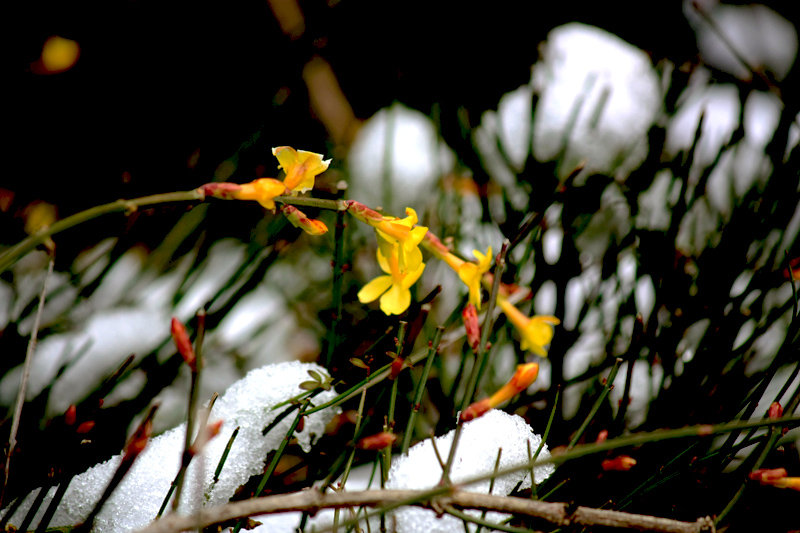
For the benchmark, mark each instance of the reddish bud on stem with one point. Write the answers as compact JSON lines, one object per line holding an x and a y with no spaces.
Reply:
{"x":71,"y":415}
{"x":470,"y":316}
{"x":183,"y":344}
{"x":85,"y":427}
{"x":378,"y":441}
{"x":623,"y":463}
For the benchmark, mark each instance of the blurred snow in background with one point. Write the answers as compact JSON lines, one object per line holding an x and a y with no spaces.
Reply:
{"x":397,"y":159}
{"x":598,"y":97}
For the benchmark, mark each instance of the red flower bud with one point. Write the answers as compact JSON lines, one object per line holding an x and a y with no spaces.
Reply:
{"x":623,"y":463}
{"x":85,"y":427}
{"x":470,"y":316}
{"x":767,"y":475}
{"x":70,"y":415}
{"x":397,"y":366}
{"x":602,"y":436}
{"x":378,"y":441}
{"x":183,"y":344}
{"x":775,"y":410}
{"x":476,"y":410}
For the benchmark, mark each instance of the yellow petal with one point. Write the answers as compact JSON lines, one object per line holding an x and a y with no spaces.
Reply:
{"x":300,"y":166}
{"x":372,"y":290}
{"x":538,"y":334}
{"x":262,"y":190}
{"x":412,"y":277}
{"x":471,"y":276}
{"x":416,"y":236}
{"x":396,"y":300}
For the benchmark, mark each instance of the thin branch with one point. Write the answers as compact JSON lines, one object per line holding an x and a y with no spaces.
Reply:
{"x":311,"y":501}
{"x":26,"y":371}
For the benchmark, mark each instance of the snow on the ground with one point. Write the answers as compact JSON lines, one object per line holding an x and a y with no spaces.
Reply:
{"x":476,"y":455}
{"x":247,"y":404}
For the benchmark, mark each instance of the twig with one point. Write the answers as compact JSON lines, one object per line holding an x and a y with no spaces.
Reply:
{"x":481,"y":357}
{"x":433,"y":349}
{"x":311,"y":500}
{"x":600,"y":399}
{"x":338,"y":271}
{"x":26,"y":372}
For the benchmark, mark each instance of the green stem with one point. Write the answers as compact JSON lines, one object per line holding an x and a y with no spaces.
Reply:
{"x":320,"y":203}
{"x":597,"y":404}
{"x":275,"y":458}
{"x":338,"y":253}
{"x":480,"y":358}
{"x":433,"y":349}
{"x":10,"y":256}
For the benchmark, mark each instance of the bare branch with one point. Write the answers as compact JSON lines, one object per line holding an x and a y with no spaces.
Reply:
{"x":312,"y":501}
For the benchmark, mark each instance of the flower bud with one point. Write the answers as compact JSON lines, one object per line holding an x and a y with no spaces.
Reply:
{"x":378,"y":441}
{"x":775,"y":410}
{"x":470,"y":316}
{"x":623,"y":463}
{"x":183,"y":344}
{"x":300,"y":220}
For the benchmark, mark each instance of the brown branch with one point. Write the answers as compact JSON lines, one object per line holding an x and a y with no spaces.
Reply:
{"x":312,"y":501}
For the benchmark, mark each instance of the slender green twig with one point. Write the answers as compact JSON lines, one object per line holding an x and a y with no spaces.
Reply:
{"x":224,"y":456}
{"x":482,"y":522}
{"x":191,"y":415}
{"x":544,"y":439}
{"x":275,"y":458}
{"x":10,"y":256}
{"x":338,"y":277}
{"x":349,"y":465}
{"x":481,"y":357}
{"x":600,"y":399}
{"x":433,"y":349}
{"x":321,"y":203}
{"x":389,"y":426}
{"x":491,"y":481}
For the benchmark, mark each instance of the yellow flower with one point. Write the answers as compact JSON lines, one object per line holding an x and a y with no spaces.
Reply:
{"x":301,"y":167}
{"x":393,"y":289}
{"x":536,"y":332}
{"x":262,"y":190}
{"x":471,"y":273}
{"x":393,"y":231}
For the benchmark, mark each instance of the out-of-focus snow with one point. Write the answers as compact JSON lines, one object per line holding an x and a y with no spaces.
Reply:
{"x":403,"y":143}
{"x":477,"y":451}
{"x":598,"y":96}
{"x":645,"y":383}
{"x":93,"y":353}
{"x":762,"y":37}
{"x":247,"y":404}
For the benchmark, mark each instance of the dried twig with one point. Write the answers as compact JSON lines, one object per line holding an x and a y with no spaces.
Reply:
{"x":26,"y":371}
{"x":312,"y":500}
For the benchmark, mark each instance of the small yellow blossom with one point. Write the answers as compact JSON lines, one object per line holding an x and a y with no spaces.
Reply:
{"x":392,"y":230}
{"x":393,"y":289}
{"x":536,"y":332}
{"x":471,"y":273}
{"x":301,"y":167}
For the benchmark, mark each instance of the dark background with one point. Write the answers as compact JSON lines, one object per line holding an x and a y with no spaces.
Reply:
{"x":157,"y":81}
